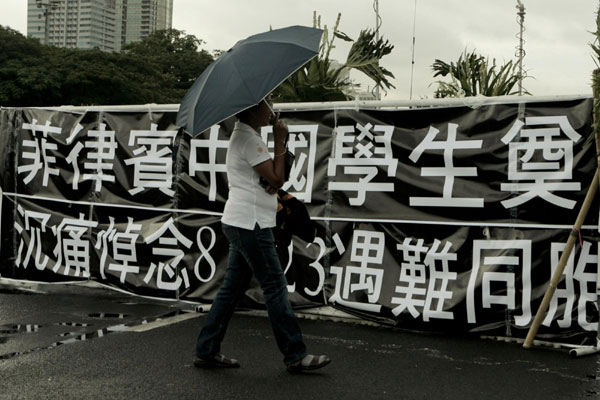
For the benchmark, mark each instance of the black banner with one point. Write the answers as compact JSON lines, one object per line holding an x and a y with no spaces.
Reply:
{"x":448,"y":219}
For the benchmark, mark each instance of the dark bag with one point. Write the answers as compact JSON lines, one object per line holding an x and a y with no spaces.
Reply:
{"x":292,"y":220}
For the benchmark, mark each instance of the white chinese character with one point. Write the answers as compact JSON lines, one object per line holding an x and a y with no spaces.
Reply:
{"x":448,"y":171}
{"x":302,"y":174}
{"x":413,"y":274}
{"x":41,"y":152}
{"x":154,"y":169}
{"x":367,"y":248}
{"x":170,"y":249}
{"x":123,"y":249}
{"x":35,"y":239}
{"x":74,"y":248}
{"x":361,"y":154}
{"x":568,"y":293}
{"x":487,"y":268}
{"x":212,"y":145}
{"x":102,"y":156}
{"x":538,"y":159}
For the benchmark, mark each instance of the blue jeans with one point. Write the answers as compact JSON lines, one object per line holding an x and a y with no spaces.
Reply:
{"x":252,"y":252}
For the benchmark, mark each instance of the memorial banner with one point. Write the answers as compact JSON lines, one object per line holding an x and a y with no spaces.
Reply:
{"x":445,"y":219}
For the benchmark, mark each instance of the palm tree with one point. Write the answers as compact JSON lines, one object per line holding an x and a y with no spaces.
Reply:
{"x":474,"y":75}
{"x":324,"y":80}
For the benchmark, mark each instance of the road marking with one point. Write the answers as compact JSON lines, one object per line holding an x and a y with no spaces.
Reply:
{"x":162,"y":322}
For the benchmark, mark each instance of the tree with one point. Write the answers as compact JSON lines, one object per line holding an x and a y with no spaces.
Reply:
{"x":176,"y":56}
{"x":96,"y":77}
{"x":321,"y":79}
{"x":474,"y":75}
{"x":159,"y":69}
{"x":23,"y":74}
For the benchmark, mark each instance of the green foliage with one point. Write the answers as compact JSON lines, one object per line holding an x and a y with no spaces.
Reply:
{"x":323,"y":80}
{"x":176,"y":56}
{"x":96,"y":77}
{"x":160,"y":69}
{"x":22,"y":70}
{"x":365,"y":54}
{"x":474,"y":75}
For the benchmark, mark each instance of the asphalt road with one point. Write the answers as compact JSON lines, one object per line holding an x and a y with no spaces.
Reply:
{"x":80,"y":345}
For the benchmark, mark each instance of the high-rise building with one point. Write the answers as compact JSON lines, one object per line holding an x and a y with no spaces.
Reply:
{"x":142,"y":17}
{"x":103,"y":24}
{"x":84,"y":24}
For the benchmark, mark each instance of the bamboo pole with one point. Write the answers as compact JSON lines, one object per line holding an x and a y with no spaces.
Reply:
{"x":584,"y":351}
{"x":596,"y":121}
{"x":556,"y":278}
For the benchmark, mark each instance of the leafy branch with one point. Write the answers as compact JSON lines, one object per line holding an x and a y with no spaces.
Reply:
{"x":474,"y":75}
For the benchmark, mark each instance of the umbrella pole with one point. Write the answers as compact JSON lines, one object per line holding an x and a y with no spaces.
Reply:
{"x":556,"y":278}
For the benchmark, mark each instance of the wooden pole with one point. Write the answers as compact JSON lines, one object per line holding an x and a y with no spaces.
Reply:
{"x":541,"y":313}
{"x":556,"y":278}
{"x":586,"y":203}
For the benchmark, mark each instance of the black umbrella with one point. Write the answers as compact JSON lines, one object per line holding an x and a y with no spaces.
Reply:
{"x":246,"y":74}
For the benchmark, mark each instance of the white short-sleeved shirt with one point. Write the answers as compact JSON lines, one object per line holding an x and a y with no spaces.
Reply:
{"x":248,"y":202}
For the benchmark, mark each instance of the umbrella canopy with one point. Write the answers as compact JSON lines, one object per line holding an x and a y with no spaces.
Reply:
{"x":246,"y":74}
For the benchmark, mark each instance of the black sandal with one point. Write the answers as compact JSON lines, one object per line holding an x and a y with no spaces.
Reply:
{"x":308,"y":363}
{"x":216,"y":361}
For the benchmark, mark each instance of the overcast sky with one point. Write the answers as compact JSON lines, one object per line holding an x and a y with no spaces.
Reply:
{"x":557,"y":35}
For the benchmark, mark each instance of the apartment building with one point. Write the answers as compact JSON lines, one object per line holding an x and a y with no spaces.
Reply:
{"x":103,"y":24}
{"x":142,"y":17}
